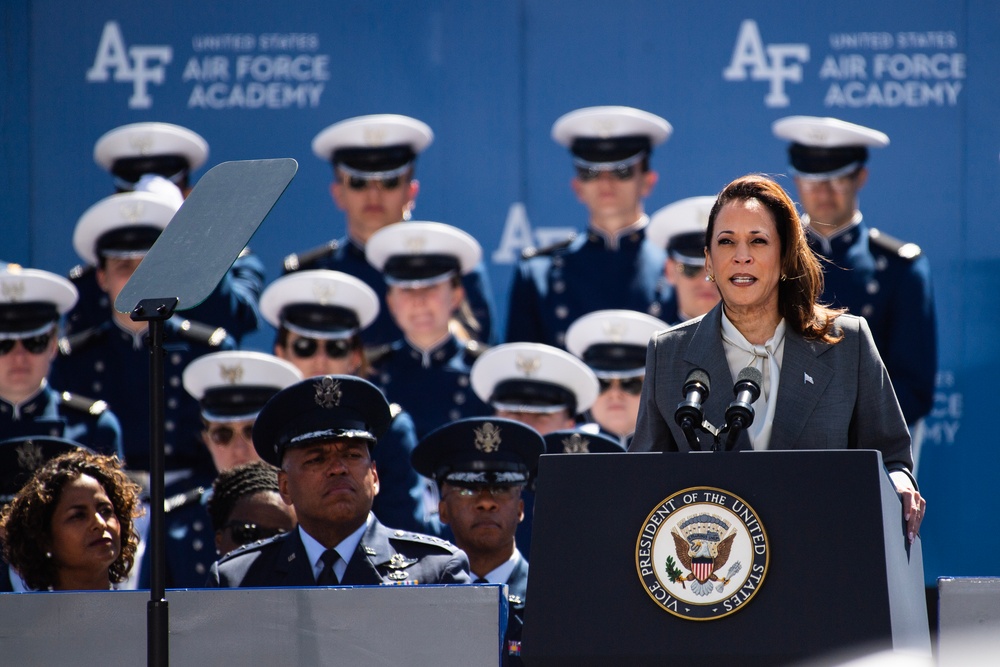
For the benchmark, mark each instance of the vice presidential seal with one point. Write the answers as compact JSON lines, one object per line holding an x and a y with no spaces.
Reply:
{"x":702,"y":553}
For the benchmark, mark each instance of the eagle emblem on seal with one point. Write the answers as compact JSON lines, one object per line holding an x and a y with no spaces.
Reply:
{"x":702,"y":543}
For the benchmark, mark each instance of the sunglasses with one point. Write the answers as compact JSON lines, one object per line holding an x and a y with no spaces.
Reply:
{"x":498,"y":492}
{"x":632,"y":386}
{"x":33,"y":344}
{"x":245,"y":533}
{"x":358,"y":183}
{"x":622,"y":172}
{"x":223,"y":435}
{"x":336,"y":348}
{"x":691,"y":270}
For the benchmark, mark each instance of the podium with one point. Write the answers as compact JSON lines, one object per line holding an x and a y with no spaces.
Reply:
{"x":825,"y":568}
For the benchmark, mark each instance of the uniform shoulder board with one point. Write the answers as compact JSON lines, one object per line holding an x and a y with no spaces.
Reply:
{"x":83,"y":404}
{"x":894,"y":245}
{"x":474,"y":348}
{"x":532,"y":251}
{"x":376,"y":354}
{"x":424,"y":539}
{"x":79,"y":271}
{"x":81,"y":341}
{"x":189,"y":497}
{"x":395,"y":409}
{"x":198,"y":332}
{"x":301,"y":260}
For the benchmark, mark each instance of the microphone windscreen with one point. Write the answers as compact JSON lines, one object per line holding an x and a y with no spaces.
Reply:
{"x":698,"y":375}
{"x":752,"y":374}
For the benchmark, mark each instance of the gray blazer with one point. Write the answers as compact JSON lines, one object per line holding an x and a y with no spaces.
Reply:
{"x":830,"y":396}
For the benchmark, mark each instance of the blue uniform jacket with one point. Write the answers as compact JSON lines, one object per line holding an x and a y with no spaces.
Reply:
{"x":232,"y":305}
{"x":552,"y":288}
{"x":400,"y":500}
{"x":282,"y":561}
{"x":346,"y":256}
{"x":51,"y":413}
{"x":433,"y":386}
{"x":889,"y":284}
{"x":517,"y":587}
{"x":104,"y":363}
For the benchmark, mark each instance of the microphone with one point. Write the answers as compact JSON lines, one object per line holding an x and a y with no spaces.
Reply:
{"x":689,"y":412}
{"x":739,"y":414}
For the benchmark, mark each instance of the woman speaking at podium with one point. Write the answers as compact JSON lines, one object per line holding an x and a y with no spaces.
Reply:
{"x":819,"y":378}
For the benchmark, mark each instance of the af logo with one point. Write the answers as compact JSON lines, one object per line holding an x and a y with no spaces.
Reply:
{"x":140,"y":64}
{"x":770,"y":63}
{"x":702,"y":554}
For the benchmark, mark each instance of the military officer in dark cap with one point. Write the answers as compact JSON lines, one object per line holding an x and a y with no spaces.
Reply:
{"x":319,"y":316}
{"x":231,"y":388}
{"x":872,"y":274}
{"x":110,"y":361}
{"x":576,"y":441}
{"x":320,"y":433}
{"x":481,"y":466}
{"x":680,"y":229}
{"x":159,"y":158}
{"x":428,"y":369}
{"x":613,"y":344}
{"x":31,"y":302}
{"x":613,"y":264}
{"x":19,"y":459}
{"x":537,"y":385}
{"x":373,"y":160}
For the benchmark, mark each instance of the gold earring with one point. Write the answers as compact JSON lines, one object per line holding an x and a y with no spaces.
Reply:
{"x":783,"y":277}
{"x":709,"y":278}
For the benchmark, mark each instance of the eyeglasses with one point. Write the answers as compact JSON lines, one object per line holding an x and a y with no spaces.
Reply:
{"x":839,"y":184}
{"x":496,"y":491}
{"x":335,"y":348}
{"x":691,"y":270}
{"x":622,"y":172}
{"x":245,"y":533}
{"x":632,"y":386}
{"x":358,"y":183}
{"x":223,"y":435}
{"x":33,"y":344}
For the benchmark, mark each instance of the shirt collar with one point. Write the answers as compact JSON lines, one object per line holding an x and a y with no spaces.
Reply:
{"x":345,"y":549}
{"x":613,"y":239}
{"x":826,"y":242}
{"x":501,"y":574}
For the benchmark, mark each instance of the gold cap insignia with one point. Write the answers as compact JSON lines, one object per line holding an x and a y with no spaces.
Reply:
{"x":231,"y":374}
{"x":374,"y":136}
{"x":415,"y":244}
{"x":13,"y":291}
{"x":29,"y":456}
{"x":142,"y":143}
{"x":615,"y":331}
{"x":131,"y":212}
{"x":323,"y":291}
{"x":328,"y":392}
{"x":487,"y":438}
{"x":576,"y":444}
{"x":528,"y":365}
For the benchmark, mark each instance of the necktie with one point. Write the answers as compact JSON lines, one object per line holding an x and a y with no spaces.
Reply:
{"x":327,"y":577}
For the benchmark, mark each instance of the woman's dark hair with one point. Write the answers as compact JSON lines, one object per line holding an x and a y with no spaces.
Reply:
{"x":802,"y":275}
{"x":27,"y":522}
{"x":231,"y":485}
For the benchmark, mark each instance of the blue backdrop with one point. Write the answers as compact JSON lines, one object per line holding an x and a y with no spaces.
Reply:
{"x":260,"y":79}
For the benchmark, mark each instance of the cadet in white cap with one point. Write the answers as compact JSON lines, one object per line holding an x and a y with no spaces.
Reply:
{"x":538,"y":385}
{"x":680,"y":229}
{"x":427,"y":370}
{"x":613,"y":343}
{"x":876,"y":276}
{"x":319,"y":316}
{"x":31,"y":302}
{"x":231,"y":388}
{"x":158,"y":158}
{"x":110,"y":361}
{"x":613,"y":264}
{"x":373,"y":159}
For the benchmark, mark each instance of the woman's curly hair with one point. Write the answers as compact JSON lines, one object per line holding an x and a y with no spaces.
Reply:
{"x":26,"y":523}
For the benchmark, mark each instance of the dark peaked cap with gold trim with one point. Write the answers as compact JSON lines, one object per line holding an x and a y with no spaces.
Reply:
{"x":21,"y":457}
{"x":571,"y":441}
{"x":317,"y":410}
{"x":479,"y":451}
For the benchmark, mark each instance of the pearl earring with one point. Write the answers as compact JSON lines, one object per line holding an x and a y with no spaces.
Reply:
{"x":709,"y":278}
{"x":48,"y":554}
